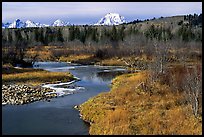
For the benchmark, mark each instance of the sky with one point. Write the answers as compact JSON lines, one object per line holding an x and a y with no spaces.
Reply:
{"x":90,"y":12}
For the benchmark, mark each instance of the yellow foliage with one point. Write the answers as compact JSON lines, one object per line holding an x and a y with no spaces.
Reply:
{"x":75,"y":57}
{"x":112,"y":62}
{"x":128,"y":109}
{"x":35,"y":76}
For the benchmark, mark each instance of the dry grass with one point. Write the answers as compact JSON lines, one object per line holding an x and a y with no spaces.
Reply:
{"x":44,"y":53}
{"x":34,"y":76}
{"x":75,"y":57}
{"x":112,"y":62}
{"x":129,"y":109}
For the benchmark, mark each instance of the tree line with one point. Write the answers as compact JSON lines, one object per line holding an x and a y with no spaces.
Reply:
{"x":44,"y":36}
{"x":126,"y":38}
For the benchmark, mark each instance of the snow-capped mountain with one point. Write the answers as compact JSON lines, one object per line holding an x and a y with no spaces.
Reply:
{"x":30,"y":23}
{"x":108,"y":19}
{"x":17,"y":24}
{"x":59,"y":23}
{"x":20,"y":24}
{"x":41,"y":25}
{"x":5,"y":25}
{"x":111,"y":19}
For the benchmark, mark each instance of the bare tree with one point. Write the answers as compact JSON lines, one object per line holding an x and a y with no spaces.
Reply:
{"x":161,"y":57}
{"x":193,"y":88}
{"x":161,"y":51}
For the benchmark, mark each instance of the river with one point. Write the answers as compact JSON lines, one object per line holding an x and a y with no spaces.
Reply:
{"x":58,"y":117}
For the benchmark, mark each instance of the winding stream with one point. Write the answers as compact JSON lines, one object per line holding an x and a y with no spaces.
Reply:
{"x":58,"y":117}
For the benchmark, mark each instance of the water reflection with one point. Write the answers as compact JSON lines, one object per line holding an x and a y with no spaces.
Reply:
{"x":58,"y":117}
{"x":98,"y":75}
{"x":108,"y":76}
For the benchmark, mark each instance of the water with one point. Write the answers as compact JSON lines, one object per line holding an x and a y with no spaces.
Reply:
{"x":58,"y":117}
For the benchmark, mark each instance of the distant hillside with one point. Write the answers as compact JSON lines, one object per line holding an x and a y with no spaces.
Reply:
{"x":186,"y":27}
{"x":103,"y":41}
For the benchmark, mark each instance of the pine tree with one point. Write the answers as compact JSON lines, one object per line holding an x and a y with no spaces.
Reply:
{"x":82,"y":36}
{"x":114,"y":34}
{"x":60,"y":36}
{"x":71,"y":33}
{"x":10,"y":38}
{"x":50,"y":35}
{"x":77,"y":33}
{"x":121,"y":33}
{"x":95,"y":35}
{"x":114,"y":37}
{"x":36,"y":34}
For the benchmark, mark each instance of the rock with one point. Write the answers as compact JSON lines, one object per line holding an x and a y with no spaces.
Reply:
{"x":76,"y":107}
{"x":4,"y":103}
{"x":21,"y":94}
{"x":22,"y":102}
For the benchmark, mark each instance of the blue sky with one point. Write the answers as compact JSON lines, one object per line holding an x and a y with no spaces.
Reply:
{"x":91,"y":12}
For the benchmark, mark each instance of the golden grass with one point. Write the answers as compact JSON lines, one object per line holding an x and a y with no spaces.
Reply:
{"x":112,"y":62}
{"x":75,"y":57}
{"x":34,"y":76}
{"x":128,"y":109}
{"x":43,"y":54}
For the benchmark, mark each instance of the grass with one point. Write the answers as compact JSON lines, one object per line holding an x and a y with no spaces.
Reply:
{"x":44,"y":53}
{"x":74,"y":57}
{"x":112,"y":62}
{"x":33,"y":76}
{"x":90,"y":59}
{"x":129,"y":109}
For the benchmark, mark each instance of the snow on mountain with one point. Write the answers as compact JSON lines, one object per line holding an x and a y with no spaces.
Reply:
{"x":111,"y":19}
{"x":67,"y":24}
{"x":30,"y":23}
{"x":108,"y":19}
{"x":17,"y":24}
{"x":5,"y":25}
{"x":20,"y":24}
{"x":58,"y":23}
{"x":42,"y":25}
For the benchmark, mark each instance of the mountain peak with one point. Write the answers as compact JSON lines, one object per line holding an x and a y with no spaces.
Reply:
{"x":59,"y":22}
{"x":17,"y":24}
{"x":111,"y":19}
{"x":30,"y":23}
{"x":17,"y":20}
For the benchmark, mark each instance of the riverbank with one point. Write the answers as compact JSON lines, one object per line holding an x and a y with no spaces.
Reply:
{"x":53,"y":118}
{"x":134,"y":107}
{"x":45,"y":54}
{"x":91,"y":60}
{"x":24,"y":85}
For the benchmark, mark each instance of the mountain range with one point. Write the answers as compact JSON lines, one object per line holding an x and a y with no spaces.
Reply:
{"x":108,"y":19}
{"x":111,"y":19}
{"x":20,"y":24}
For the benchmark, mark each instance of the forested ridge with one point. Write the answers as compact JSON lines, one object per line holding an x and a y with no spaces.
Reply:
{"x":130,"y":36}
